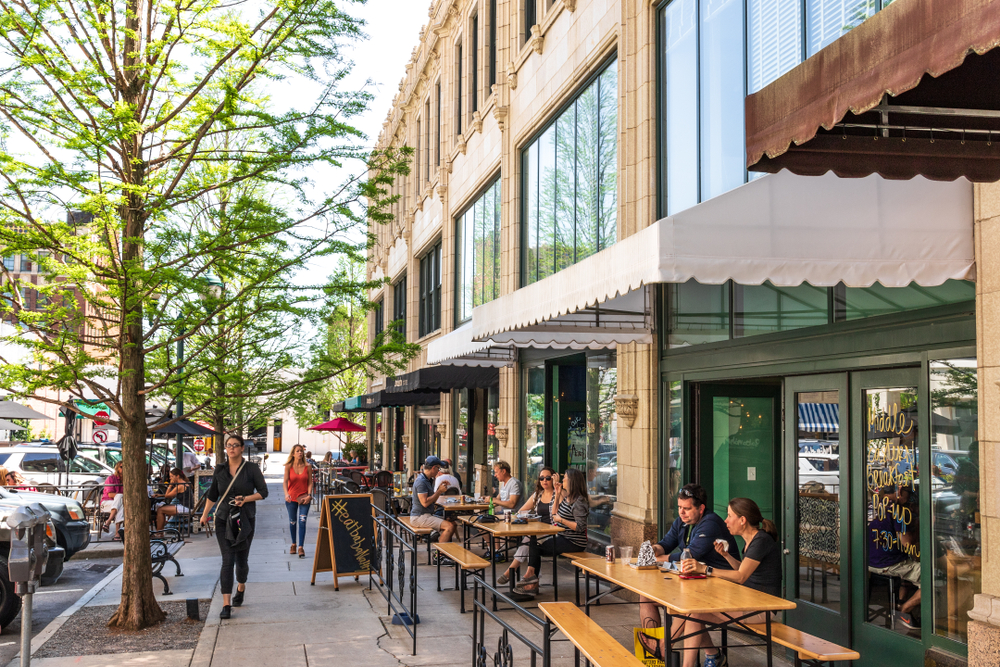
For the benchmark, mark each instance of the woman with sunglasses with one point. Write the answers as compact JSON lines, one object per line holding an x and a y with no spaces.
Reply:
{"x":541,"y":501}
{"x":242,"y":484}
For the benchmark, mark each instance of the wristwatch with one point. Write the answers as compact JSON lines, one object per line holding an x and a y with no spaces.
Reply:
{"x":708,"y":570}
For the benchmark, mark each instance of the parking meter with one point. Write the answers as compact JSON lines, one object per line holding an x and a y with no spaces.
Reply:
{"x":28,"y":552}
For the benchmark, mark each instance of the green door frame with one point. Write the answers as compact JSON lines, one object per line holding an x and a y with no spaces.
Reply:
{"x":809,"y":617}
{"x":869,"y":639}
{"x":558,"y":409}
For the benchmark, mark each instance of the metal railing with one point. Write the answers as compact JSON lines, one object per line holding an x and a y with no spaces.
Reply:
{"x":394,"y":545}
{"x":504,"y":654}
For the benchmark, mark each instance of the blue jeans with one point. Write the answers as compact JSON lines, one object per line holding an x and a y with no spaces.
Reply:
{"x":302,"y":513}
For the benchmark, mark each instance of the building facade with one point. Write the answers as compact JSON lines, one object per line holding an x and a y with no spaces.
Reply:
{"x":601,"y":276}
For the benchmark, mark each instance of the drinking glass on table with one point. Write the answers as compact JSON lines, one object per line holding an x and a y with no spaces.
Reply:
{"x":625,"y":553}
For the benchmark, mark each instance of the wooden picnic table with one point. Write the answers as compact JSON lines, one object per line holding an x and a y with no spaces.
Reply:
{"x":532,"y":530}
{"x":684,"y":598}
{"x":462,"y":505}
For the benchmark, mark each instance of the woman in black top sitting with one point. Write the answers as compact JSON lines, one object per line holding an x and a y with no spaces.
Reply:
{"x":760,"y":569}
{"x":542,"y":502}
{"x":180,"y":492}
{"x":242,"y":485}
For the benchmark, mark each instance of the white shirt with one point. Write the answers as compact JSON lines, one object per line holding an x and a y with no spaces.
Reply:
{"x":445,"y":477}
{"x":191,"y":462}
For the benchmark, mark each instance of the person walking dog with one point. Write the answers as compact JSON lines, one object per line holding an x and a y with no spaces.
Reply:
{"x":298,"y":485}
{"x":237,"y":485}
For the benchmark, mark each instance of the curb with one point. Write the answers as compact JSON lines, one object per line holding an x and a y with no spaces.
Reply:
{"x":205,"y":650}
{"x":58,"y":621}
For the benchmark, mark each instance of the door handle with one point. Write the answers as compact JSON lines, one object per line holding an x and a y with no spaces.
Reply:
{"x":787,"y":551}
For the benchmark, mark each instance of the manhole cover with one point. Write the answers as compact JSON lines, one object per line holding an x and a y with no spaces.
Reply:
{"x":101,"y":568}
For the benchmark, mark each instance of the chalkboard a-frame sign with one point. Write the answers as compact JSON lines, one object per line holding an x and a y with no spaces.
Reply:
{"x":346,"y":536}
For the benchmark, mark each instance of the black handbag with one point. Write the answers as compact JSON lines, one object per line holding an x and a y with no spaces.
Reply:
{"x":233,"y":521}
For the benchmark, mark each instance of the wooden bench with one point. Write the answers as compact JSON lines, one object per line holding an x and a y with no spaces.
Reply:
{"x":600,"y":648}
{"x":161,"y":553}
{"x":464,"y":560}
{"x":809,"y":650}
{"x":420,"y":533}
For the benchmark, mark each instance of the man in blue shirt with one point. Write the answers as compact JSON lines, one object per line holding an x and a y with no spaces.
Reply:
{"x":425,"y":500}
{"x":696,"y":528}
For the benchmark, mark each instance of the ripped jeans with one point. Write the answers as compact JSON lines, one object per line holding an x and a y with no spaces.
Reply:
{"x":297,"y":514}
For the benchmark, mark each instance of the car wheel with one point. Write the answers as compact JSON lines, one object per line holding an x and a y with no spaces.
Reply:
{"x":10,"y":602}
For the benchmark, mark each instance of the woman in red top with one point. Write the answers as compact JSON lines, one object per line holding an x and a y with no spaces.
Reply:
{"x":298,"y":488}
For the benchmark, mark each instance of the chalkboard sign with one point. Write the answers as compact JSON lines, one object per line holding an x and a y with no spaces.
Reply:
{"x":346,"y":536}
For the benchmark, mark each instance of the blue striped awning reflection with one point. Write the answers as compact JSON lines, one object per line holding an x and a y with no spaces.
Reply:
{"x":819,"y":417}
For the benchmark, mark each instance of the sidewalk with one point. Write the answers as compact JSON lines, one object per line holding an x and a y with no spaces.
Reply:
{"x":285,"y":622}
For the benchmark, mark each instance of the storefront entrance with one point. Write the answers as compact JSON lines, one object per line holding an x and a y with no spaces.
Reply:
{"x":872,"y":479}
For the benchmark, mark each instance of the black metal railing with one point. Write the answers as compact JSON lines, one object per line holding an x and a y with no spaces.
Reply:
{"x":390,"y":574}
{"x":503,"y":656}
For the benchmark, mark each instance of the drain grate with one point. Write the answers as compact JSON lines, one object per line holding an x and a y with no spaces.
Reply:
{"x":100,"y":568}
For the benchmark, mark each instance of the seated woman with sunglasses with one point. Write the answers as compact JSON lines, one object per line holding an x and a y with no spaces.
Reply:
{"x":541,"y":501}
{"x":760,"y":570}
{"x":573,"y":513}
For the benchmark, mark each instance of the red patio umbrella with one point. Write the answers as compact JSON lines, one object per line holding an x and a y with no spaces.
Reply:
{"x":338,"y":424}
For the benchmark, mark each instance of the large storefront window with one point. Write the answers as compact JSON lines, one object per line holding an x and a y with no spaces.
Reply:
{"x":571,"y":182}
{"x":477,"y":243}
{"x":955,"y":517}
{"x":533,"y":422}
{"x":595,"y":449}
{"x":698,"y":313}
{"x":476,"y":414}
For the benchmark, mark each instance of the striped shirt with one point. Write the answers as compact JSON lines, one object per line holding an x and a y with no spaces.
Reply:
{"x":577,"y":511}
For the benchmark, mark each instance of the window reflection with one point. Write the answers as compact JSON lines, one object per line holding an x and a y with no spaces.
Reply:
{"x":818,"y":436}
{"x":533,"y":409}
{"x":955,"y":494}
{"x":679,"y":88}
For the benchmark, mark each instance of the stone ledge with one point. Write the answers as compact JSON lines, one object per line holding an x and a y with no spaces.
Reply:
{"x":986,"y":609}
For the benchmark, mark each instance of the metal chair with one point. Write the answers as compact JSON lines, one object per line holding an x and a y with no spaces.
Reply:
{"x":383,"y":479}
{"x":382,"y":500}
{"x":48,"y":488}
{"x":351,"y":487}
{"x":358,"y":478}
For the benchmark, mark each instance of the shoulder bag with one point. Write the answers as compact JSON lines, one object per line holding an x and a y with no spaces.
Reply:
{"x":232,"y":521}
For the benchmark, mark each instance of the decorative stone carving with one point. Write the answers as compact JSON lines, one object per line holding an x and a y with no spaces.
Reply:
{"x":627,"y":408}
{"x":500,"y":113}
{"x":502,"y":433}
{"x":405,"y":438}
{"x":442,"y":429}
{"x":447,"y":165}
{"x":477,"y":121}
{"x":537,"y":40}
{"x":511,"y":76}
{"x":461,"y":144}
{"x":441,"y":192}
{"x":570,"y":5}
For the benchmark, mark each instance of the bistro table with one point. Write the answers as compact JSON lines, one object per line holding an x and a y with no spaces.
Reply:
{"x":461,"y":504}
{"x":532,"y":530}
{"x":685,"y":597}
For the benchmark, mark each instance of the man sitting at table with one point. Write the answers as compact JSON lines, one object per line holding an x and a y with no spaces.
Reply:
{"x":696,"y":529}
{"x":425,"y":498}
{"x":446,"y":477}
{"x":511,"y":490}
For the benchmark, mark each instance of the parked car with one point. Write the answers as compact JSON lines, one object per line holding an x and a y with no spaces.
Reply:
{"x":607,"y":477}
{"x":110,"y":454}
{"x":72,"y":527}
{"x":820,"y":468}
{"x":10,"y":602}
{"x":41,"y":464}
{"x":944,"y":465}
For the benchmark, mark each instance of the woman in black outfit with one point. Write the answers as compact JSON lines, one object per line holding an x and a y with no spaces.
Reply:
{"x":240,"y":501}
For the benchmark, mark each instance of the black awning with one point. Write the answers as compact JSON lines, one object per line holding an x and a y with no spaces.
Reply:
{"x":383,"y":399}
{"x":338,"y":407}
{"x":444,"y":378}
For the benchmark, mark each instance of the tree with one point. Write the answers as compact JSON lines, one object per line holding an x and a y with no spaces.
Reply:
{"x":156,"y":122}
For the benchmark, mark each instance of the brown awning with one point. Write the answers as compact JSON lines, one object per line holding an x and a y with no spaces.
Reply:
{"x":862,"y":105}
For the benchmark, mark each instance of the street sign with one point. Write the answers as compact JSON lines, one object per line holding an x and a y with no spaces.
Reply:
{"x":199,"y":445}
{"x":100,"y":436}
{"x":101,"y":418}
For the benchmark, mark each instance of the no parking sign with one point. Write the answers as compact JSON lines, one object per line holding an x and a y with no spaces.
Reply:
{"x":100,"y":436}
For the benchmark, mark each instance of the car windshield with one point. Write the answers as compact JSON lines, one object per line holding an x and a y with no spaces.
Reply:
{"x":825,"y":465}
{"x":84,"y":464}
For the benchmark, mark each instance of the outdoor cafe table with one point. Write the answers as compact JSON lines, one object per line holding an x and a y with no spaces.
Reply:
{"x":531,"y":529}
{"x":685,"y":597}
{"x":461,"y":505}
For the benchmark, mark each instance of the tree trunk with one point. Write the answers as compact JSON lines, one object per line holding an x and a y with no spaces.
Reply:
{"x":220,"y":427}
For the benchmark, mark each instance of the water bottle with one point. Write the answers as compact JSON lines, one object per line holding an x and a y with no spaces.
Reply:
{"x":685,"y":554}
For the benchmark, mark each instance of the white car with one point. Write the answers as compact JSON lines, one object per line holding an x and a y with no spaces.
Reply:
{"x":820,"y":468}
{"x":43,"y":465}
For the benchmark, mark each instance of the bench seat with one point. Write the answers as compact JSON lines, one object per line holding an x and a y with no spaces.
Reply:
{"x":600,"y":648}
{"x":465,"y":561}
{"x":405,"y":520}
{"x":161,"y":553}
{"x":812,"y":650}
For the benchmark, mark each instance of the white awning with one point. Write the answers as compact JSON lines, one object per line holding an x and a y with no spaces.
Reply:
{"x":459,"y":349}
{"x":781,"y":228}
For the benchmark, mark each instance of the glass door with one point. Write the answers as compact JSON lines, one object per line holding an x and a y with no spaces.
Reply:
{"x":886,"y":508}
{"x":816,"y":493}
{"x":739,"y":437}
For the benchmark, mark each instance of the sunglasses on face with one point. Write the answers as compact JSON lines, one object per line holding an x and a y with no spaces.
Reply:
{"x":684,"y":493}
{"x":233,"y":446}
{"x":545,"y":479}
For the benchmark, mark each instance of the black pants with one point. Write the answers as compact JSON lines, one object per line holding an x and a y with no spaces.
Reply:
{"x":557,"y":545}
{"x":232,"y":558}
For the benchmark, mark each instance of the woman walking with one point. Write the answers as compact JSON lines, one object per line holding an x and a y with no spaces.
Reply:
{"x":542,"y":501}
{"x":237,"y":485}
{"x":298,"y":487}
{"x":573,"y":513}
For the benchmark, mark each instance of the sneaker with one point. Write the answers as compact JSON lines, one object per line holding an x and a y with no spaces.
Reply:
{"x":715,"y":660}
{"x":909,"y":620}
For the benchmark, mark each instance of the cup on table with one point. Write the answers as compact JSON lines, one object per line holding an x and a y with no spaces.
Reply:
{"x":625,"y":553}
{"x":506,"y":516}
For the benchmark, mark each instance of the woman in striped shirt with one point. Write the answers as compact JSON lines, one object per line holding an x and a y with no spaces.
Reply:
{"x":574,"y":511}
